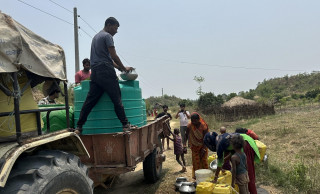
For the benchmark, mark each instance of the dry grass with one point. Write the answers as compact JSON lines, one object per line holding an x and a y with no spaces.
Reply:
{"x":235,"y":101}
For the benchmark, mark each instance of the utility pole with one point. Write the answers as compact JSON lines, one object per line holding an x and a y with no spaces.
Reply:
{"x":162,"y":92}
{"x":76,"y":40}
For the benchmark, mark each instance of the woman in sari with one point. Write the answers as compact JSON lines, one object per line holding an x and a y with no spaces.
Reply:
{"x":195,"y":133}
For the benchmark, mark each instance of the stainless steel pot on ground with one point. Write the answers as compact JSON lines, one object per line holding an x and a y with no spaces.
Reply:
{"x":187,"y":188}
{"x":179,"y":181}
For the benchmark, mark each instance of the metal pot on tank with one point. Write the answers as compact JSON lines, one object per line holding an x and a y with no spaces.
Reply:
{"x":129,"y":76}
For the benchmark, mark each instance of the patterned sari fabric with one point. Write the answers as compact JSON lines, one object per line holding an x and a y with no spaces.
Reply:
{"x":196,"y":143}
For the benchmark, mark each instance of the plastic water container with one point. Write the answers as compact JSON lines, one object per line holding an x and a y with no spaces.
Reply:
{"x":203,"y":175}
{"x":102,"y":118}
{"x":58,"y":119}
{"x":223,"y":178}
{"x":262,"y":149}
{"x":205,"y":188}
{"x":227,"y":175}
{"x":144,"y":109}
{"x":222,"y":189}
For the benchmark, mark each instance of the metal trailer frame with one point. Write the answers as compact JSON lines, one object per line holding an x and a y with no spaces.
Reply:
{"x":17,"y":111}
{"x":113,"y":154}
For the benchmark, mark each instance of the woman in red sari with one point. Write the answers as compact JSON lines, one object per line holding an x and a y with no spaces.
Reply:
{"x":195,"y":133}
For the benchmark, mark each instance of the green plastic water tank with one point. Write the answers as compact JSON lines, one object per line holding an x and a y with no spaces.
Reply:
{"x":144,"y":109}
{"x":58,"y":120}
{"x":102,"y":118}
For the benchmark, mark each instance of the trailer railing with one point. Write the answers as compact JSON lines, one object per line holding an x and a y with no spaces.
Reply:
{"x":17,"y":111}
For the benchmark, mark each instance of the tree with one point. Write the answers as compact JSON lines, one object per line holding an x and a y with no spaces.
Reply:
{"x":209,"y":99}
{"x":187,"y":102}
{"x":250,"y":95}
{"x":199,"y":80}
{"x":317,"y":99}
{"x":312,"y":93}
{"x":231,"y":95}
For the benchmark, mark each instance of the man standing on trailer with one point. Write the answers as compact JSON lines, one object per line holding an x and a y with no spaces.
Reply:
{"x":103,"y":76}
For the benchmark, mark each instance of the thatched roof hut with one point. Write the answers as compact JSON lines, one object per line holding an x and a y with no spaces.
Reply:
{"x":238,"y":101}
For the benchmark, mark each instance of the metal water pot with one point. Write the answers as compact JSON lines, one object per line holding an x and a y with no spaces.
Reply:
{"x":187,"y":188}
{"x":179,"y":181}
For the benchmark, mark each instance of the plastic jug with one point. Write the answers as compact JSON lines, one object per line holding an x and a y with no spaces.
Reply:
{"x":262,"y":148}
{"x":222,"y":189}
{"x":227,"y":177}
{"x":205,"y":188}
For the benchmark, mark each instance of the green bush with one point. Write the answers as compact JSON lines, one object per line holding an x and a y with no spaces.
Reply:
{"x":298,"y":177}
{"x":209,"y":99}
{"x":312,"y":93}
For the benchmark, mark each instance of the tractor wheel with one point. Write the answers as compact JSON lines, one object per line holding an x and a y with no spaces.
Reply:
{"x":49,"y":172}
{"x":152,"y":166}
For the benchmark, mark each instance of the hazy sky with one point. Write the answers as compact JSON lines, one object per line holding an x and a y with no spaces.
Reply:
{"x":232,"y":44}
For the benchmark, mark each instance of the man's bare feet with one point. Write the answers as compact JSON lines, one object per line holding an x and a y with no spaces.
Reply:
{"x":184,"y":169}
{"x":78,"y":130}
{"x":128,"y":127}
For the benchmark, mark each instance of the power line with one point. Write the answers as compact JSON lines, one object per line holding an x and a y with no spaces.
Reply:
{"x":61,"y":6}
{"x":222,"y":66}
{"x":236,"y":67}
{"x":87,"y":24}
{"x":146,"y":83}
{"x":78,"y":16}
{"x":72,"y":13}
{"x":85,"y":32}
{"x":46,"y":12}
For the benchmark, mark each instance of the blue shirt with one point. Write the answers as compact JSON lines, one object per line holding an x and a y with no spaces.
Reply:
{"x":99,"y":48}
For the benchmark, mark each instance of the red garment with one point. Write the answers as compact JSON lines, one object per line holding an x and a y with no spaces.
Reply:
{"x":250,"y":168}
{"x":252,"y":134}
{"x":81,"y":75}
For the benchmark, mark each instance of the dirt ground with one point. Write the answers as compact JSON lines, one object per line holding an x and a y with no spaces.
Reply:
{"x":133,"y":182}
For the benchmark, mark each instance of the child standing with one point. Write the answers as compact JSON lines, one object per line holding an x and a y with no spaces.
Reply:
{"x":223,"y":130}
{"x":239,"y":165}
{"x":165,"y":112}
{"x":226,"y":165}
{"x":178,"y":149}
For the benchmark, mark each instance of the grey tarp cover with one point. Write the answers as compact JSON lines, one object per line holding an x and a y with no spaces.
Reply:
{"x":21,"y":48}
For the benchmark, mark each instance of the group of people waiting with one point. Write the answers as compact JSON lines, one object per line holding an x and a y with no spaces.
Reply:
{"x":238,"y":149}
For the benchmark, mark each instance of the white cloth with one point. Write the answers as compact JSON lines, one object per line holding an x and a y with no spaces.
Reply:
{"x":183,"y":118}
{"x":46,"y":101}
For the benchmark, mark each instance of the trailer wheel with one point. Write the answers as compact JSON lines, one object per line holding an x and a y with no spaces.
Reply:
{"x":49,"y":172}
{"x":152,"y":166}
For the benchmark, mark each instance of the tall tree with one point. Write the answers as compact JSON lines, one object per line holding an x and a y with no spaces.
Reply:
{"x":199,"y":80}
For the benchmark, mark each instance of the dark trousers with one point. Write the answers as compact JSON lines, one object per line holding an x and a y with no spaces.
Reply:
{"x":103,"y":79}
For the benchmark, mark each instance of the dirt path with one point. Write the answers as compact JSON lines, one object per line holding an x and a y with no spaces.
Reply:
{"x":133,"y":182}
